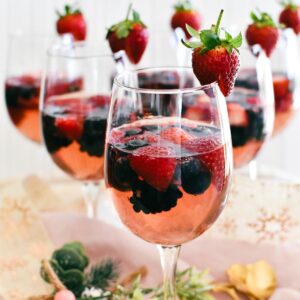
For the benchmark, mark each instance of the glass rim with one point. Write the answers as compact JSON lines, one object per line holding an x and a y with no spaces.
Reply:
{"x":119,"y":77}
{"x":61,"y":50}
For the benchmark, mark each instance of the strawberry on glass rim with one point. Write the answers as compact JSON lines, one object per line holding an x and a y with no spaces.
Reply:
{"x":290,"y":15}
{"x":130,"y":35}
{"x":215,"y":58}
{"x":72,"y":21}
{"x":184,"y":14}
{"x":263,"y":31}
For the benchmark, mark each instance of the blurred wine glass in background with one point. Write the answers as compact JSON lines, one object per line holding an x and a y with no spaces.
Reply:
{"x":285,"y":69}
{"x":74,"y":104}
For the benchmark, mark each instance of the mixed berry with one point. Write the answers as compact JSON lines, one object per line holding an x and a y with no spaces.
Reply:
{"x":81,"y":120}
{"x":158,"y":161}
{"x":246,"y":111}
{"x":20,"y":90}
{"x":283,"y":92}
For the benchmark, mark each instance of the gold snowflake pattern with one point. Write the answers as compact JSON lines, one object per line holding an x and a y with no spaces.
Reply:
{"x":11,"y":264}
{"x":228,"y":226}
{"x":16,"y":215}
{"x":271,"y":226}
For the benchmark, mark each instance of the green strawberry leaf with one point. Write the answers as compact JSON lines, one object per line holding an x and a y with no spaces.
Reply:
{"x":263,"y":19}
{"x":191,"y":44}
{"x":123,"y":28}
{"x":183,"y":5}
{"x":228,"y":36}
{"x":289,"y":4}
{"x":136,"y":16}
{"x":193,"y":32}
{"x":237,"y":41}
{"x":209,"y":39}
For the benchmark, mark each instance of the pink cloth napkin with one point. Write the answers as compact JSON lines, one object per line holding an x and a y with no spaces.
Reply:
{"x":286,"y":294}
{"x":102,"y":239}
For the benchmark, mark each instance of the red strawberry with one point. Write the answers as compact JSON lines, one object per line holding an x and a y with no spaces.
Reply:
{"x":281,"y":86}
{"x":116,"y":44}
{"x":176,"y":135}
{"x":215,"y":162}
{"x":185,"y":14}
{"x":214,"y":58}
{"x":290,"y":16}
{"x":130,"y":35}
{"x":211,"y":153}
{"x":73,"y":22}
{"x":69,"y":127}
{"x":136,"y":42}
{"x":155,"y":164}
{"x":263,"y":32}
{"x":237,"y":114}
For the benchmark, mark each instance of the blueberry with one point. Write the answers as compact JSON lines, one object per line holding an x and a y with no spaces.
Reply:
{"x":134,"y":144}
{"x":54,"y":140}
{"x":132,"y":132}
{"x":195,"y":176}
{"x":148,"y":200}
{"x":119,"y":173}
{"x":150,"y":128}
{"x":93,"y":136}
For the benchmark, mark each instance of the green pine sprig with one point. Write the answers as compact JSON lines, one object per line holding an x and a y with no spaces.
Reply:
{"x":263,"y":19}
{"x":102,"y":275}
{"x":71,"y":265}
{"x":190,"y":285}
{"x":209,"y":39}
{"x":183,"y":5}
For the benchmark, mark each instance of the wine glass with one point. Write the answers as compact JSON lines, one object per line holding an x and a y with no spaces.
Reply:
{"x":74,"y":116}
{"x":251,"y":108}
{"x":25,"y":62}
{"x":284,"y":62}
{"x":168,"y":175}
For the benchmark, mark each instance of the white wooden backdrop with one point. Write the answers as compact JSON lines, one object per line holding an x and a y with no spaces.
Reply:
{"x":19,"y":157}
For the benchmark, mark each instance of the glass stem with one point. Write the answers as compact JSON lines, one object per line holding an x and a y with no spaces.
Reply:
{"x":253,"y":169}
{"x":168,"y":259}
{"x":90,"y":194}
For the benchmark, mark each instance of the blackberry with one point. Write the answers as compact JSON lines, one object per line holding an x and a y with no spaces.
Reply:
{"x":54,"y":140}
{"x":132,"y":132}
{"x":12,"y":96}
{"x":195,"y":176}
{"x":93,"y":136}
{"x":119,"y":173}
{"x":28,"y":92}
{"x":150,"y":201}
{"x":255,"y":130}
{"x":248,"y":81}
{"x":256,"y":123}
{"x":134,"y":144}
{"x":239,"y":135}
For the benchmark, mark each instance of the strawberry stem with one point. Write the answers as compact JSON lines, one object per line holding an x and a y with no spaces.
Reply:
{"x":68,"y":9}
{"x":128,"y":11}
{"x":219,"y":21}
